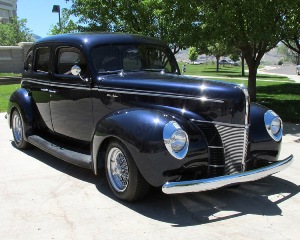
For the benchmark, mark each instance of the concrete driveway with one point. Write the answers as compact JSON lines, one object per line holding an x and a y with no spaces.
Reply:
{"x":281,"y":70}
{"x":42,"y":197}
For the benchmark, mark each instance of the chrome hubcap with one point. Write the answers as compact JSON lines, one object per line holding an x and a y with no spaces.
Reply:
{"x":17,"y":128}
{"x":118,"y":171}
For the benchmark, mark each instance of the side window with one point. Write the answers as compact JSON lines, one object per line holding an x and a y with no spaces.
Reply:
{"x":67,"y":57}
{"x":28,"y":61}
{"x":42,"y":60}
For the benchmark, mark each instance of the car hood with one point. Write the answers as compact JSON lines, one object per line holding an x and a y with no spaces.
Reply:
{"x":211,"y":100}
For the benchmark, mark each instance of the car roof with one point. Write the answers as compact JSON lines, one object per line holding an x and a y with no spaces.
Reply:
{"x":97,"y":38}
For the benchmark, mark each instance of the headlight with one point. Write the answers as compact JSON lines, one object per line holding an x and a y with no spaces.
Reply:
{"x":273,"y":125}
{"x":176,"y":140}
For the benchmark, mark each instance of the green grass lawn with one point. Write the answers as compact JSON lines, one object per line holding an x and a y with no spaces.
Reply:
{"x":5,"y":92}
{"x":226,"y":71}
{"x":10,"y":75}
{"x":278,"y":93}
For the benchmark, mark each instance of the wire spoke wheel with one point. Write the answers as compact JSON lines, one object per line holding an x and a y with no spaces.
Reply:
{"x":122,"y":173}
{"x":17,"y":128}
{"x":118,"y":170}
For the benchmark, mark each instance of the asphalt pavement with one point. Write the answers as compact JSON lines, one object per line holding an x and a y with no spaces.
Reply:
{"x":42,"y":197}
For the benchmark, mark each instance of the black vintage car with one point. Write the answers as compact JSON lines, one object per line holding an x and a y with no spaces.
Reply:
{"x":118,"y":101}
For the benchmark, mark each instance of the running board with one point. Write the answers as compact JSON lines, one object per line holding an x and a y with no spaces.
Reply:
{"x":76,"y":158}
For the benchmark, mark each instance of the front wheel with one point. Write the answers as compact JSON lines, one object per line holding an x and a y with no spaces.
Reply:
{"x":17,"y":125}
{"x":123,"y":176}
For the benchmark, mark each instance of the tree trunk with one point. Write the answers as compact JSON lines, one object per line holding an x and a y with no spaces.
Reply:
{"x":218,"y":59}
{"x":253,"y":57}
{"x":252,"y":81}
{"x":243,"y":65}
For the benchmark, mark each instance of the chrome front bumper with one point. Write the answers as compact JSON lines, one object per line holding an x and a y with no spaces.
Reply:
{"x":222,"y":181}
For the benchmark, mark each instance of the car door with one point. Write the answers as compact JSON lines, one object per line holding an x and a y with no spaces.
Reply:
{"x":70,"y":96}
{"x":36,"y":79}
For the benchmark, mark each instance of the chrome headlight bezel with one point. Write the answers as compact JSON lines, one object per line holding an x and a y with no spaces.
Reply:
{"x":176,"y":140}
{"x":273,"y":125}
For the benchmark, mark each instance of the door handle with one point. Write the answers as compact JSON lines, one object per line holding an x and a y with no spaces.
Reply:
{"x":44,"y":89}
{"x":52,"y":91}
{"x":114,"y":95}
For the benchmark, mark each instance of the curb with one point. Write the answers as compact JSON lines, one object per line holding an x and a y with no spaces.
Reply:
{"x":10,"y":80}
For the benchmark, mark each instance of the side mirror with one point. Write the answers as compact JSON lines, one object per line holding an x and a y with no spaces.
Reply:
{"x":75,"y":70}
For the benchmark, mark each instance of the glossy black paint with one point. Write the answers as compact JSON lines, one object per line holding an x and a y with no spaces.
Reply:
{"x":134,"y":108}
{"x":141,"y":131}
{"x":195,"y":98}
{"x":262,"y":146}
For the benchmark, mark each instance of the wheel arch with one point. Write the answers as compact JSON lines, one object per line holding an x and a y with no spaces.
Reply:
{"x":126,"y":126}
{"x":21,"y":101}
{"x":141,"y":131}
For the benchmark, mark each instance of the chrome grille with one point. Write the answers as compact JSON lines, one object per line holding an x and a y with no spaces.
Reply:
{"x":235,"y":140}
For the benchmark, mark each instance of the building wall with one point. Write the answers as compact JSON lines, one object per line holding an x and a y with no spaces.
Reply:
{"x":12,"y":57}
{"x":8,"y":8}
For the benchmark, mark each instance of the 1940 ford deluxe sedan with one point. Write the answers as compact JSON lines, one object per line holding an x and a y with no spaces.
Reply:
{"x":118,"y":101}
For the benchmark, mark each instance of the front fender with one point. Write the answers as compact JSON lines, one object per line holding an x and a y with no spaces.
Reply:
{"x":262,"y":146}
{"x":141,"y":130}
{"x":21,"y":100}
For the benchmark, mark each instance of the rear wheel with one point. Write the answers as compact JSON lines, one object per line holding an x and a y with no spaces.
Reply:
{"x":17,"y":125}
{"x":123,"y":176}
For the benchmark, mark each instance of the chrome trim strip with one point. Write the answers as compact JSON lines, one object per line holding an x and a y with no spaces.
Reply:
{"x":158,"y":94}
{"x":216,"y":165}
{"x":73,"y":86}
{"x":222,"y":181}
{"x":222,"y":123}
{"x":215,"y":147}
{"x":39,"y":82}
{"x":247,"y":101}
{"x":126,"y":91}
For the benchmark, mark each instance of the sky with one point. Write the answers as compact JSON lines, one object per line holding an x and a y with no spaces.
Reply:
{"x":39,"y":14}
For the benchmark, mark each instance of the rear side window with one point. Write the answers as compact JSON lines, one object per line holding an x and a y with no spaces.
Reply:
{"x":42,"y":60}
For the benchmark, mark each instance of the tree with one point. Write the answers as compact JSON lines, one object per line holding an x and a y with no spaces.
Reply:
{"x":254,"y":27}
{"x":288,"y":54}
{"x":14,"y":31}
{"x":291,"y":36}
{"x":173,"y":21}
{"x":193,"y":54}
{"x":67,"y":26}
{"x":218,"y":50}
{"x":292,"y":32}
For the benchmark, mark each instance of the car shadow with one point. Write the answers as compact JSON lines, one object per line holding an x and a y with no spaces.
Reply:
{"x":257,"y":198}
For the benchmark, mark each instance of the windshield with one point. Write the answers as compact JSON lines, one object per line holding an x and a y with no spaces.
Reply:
{"x":112,"y":58}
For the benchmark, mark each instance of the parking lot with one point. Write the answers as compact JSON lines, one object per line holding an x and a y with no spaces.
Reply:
{"x":42,"y":197}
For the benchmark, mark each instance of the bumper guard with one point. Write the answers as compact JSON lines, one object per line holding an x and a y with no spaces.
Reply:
{"x":227,"y":180}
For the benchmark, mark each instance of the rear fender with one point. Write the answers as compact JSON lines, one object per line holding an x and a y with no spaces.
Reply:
{"x":22,"y":101}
